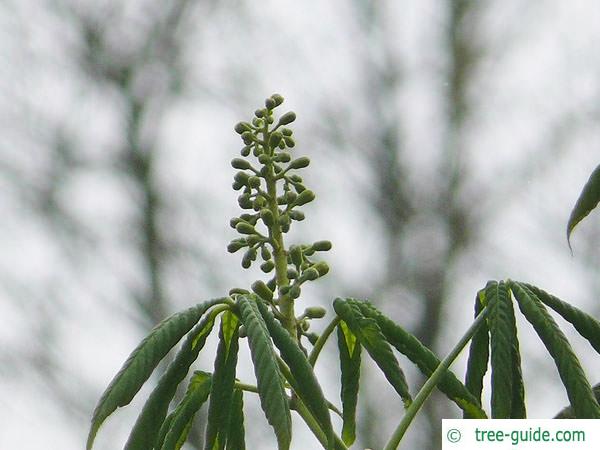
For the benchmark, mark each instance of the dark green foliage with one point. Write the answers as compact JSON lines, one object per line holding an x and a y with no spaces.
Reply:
{"x":270,"y":385}
{"x":372,"y":339}
{"x":145,"y":430}
{"x":142,"y":361}
{"x":479,"y":354}
{"x":305,"y":383}
{"x":221,"y":393}
{"x":424,"y":359}
{"x":585,"y":324}
{"x":236,"y":431}
{"x":587,"y":201}
{"x":176,"y":427}
{"x":500,"y":318}
{"x":349,"y":352}
{"x":571,"y":373}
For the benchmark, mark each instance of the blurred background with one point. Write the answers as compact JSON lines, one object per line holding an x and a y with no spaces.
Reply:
{"x":448,"y":139}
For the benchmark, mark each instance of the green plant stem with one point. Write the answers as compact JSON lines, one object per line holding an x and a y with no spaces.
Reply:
{"x":433,"y":380}
{"x":314,"y":354}
{"x":286,"y":304}
{"x":246,"y":387}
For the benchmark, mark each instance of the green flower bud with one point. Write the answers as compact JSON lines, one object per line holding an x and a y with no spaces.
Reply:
{"x":233,"y":222}
{"x":290,"y":196}
{"x":254,"y":182}
{"x":262,"y":290}
{"x":264,"y":159}
{"x":322,"y":267}
{"x":305,"y":197}
{"x":258,"y":203}
{"x":278,"y":99}
{"x":282,"y":200}
{"x":285,"y":227}
{"x":289,"y":141}
{"x":287,"y":118}
{"x":292,"y":273}
{"x":239,"y":163}
{"x":267,"y":266}
{"x":283,"y":157}
{"x":246,"y":150}
{"x":286,"y":131}
{"x":246,"y":262}
{"x":281,"y":144}
{"x":299,"y":163}
{"x":250,"y":218}
{"x":236,"y":185}
{"x":277,"y":168}
{"x":299,"y":188}
{"x":240,"y":127}
{"x":245,"y":202}
{"x":241,"y":177}
{"x":272,"y":284}
{"x":283,"y":290}
{"x":296,"y":215}
{"x":236,"y":244}
{"x":267,"y":217}
{"x":296,"y":255}
{"x":305,"y":325}
{"x":295,"y":178}
{"x":254,"y":239}
{"x":309,"y":274}
{"x":270,"y":119}
{"x":252,"y":253}
{"x":238,"y":291}
{"x":315,"y":312}
{"x":274,"y":139}
{"x":270,"y":103}
{"x":265,"y":253}
{"x":312,"y":337}
{"x":284,"y":220}
{"x":259,"y":113}
{"x":309,"y":251}
{"x":295,"y":292}
{"x":245,"y":228}
{"x":258,"y":123}
{"x":247,"y":137}
{"x":322,"y":246}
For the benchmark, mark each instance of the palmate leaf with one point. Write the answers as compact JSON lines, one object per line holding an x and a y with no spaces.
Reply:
{"x":479,"y":355}
{"x":236,"y":432}
{"x":142,"y":361}
{"x":271,"y":392}
{"x":372,"y":339}
{"x":571,"y":373}
{"x":145,"y":431}
{"x":500,"y":323}
{"x":349,"y":351}
{"x":305,"y":383}
{"x":175,"y":429}
{"x":219,"y":407}
{"x":424,"y":359}
{"x":587,"y":201}
{"x":585,"y":324}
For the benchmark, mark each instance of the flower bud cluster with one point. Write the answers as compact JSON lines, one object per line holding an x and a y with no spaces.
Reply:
{"x":271,"y":193}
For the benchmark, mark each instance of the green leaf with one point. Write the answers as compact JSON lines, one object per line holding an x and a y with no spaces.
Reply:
{"x":349,"y":351}
{"x":145,"y":430}
{"x":479,"y":355}
{"x":142,"y":361}
{"x":571,"y":373}
{"x":175,"y":429}
{"x":306,"y":385}
{"x":219,"y":407}
{"x":271,"y":390}
{"x":236,"y":432}
{"x":587,"y":201}
{"x":500,"y":318}
{"x":424,"y":359}
{"x":585,"y":324}
{"x":372,"y":339}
